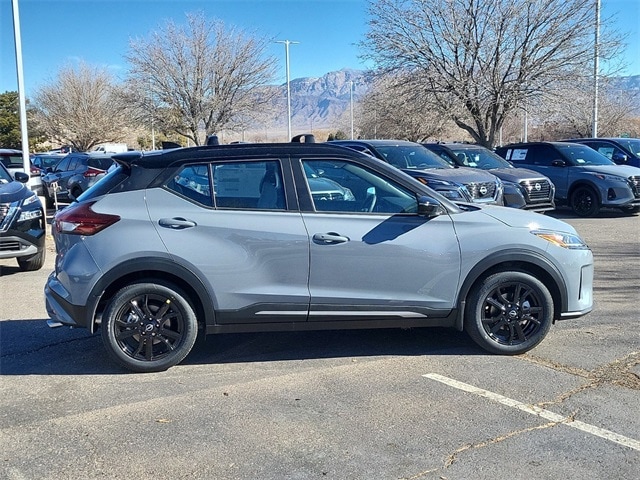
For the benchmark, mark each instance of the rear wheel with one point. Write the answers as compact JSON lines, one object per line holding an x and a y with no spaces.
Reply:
{"x":585,"y":202}
{"x":509,"y":313}
{"x":149,"y":327}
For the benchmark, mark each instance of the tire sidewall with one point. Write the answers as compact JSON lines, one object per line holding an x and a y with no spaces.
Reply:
{"x":179,"y":301}
{"x":473,"y":313}
{"x":581,"y":191}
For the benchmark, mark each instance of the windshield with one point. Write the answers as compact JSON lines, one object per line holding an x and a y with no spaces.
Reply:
{"x":5,"y":176}
{"x":479,"y":158}
{"x":411,"y":156}
{"x":631,"y":144}
{"x":582,"y":155}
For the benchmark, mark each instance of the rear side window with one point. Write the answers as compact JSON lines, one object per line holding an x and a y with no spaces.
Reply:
{"x":249,"y":185}
{"x":12,"y":161}
{"x":240,"y":185}
{"x":103,"y":163}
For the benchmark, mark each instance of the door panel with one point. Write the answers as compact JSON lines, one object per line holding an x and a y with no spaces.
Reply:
{"x":402,"y":266}
{"x":255,"y":262}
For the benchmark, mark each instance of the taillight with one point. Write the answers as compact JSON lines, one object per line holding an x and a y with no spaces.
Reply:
{"x":92,"y":172}
{"x":35,"y":172}
{"x":80,"y":219}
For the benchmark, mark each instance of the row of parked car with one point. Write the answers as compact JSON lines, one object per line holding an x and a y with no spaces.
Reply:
{"x":533,"y":176}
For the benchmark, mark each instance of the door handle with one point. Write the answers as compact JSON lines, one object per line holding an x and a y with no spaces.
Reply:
{"x":330,"y":238}
{"x":177,"y":223}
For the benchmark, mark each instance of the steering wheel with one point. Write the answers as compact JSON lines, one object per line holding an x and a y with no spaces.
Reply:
{"x":369,"y":203}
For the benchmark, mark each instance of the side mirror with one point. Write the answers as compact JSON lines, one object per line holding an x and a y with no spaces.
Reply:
{"x":558,"y":163}
{"x":619,"y":158}
{"x":429,"y":207}
{"x":21,"y":177}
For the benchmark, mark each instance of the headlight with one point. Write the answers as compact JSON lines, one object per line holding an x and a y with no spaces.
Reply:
{"x":561,"y":239}
{"x":610,"y":178}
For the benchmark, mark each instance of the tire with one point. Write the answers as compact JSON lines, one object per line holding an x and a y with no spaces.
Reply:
{"x":585,"y":202}
{"x":34,"y":262}
{"x":508,"y":313}
{"x":74,"y":193}
{"x":149,"y":327}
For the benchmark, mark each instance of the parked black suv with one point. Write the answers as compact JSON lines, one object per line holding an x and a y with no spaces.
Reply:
{"x":623,"y":151}
{"x":457,"y":184}
{"x":22,"y":222}
{"x":584,"y":179}
{"x":523,"y":188}
{"x":74,"y":174}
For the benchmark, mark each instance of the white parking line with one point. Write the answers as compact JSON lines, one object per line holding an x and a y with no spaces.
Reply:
{"x":534,"y":410}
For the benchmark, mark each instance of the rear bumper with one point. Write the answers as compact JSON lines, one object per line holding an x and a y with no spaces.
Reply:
{"x":59,"y":308}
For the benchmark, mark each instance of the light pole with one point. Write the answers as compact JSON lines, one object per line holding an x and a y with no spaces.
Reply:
{"x":286,"y":50}
{"x":596,"y":58}
{"x":351,"y":100}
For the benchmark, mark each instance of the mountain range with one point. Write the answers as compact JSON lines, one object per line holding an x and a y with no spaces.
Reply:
{"x":325,"y":102}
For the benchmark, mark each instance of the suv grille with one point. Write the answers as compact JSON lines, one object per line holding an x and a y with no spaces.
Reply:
{"x":634,"y":182}
{"x":4,"y":211}
{"x":537,"y":190}
{"x":484,"y":190}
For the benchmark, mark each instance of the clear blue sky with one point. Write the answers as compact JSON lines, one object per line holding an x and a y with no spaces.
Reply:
{"x":58,"y":32}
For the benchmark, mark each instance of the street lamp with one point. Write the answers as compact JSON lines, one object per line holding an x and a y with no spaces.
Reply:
{"x":286,"y":50}
{"x":351,"y":101}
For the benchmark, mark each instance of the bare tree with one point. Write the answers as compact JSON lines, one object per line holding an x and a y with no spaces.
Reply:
{"x":573,"y":116}
{"x":80,"y":107}
{"x":202,"y":77}
{"x":488,"y":56}
{"x":393,"y":108}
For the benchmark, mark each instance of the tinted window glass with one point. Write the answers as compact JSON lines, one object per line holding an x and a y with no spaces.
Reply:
{"x":339,"y":186}
{"x":63,"y":165}
{"x":193,"y":182}
{"x":249,"y":185}
{"x":13,"y":161}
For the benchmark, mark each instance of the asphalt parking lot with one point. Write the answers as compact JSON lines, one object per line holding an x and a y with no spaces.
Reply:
{"x":370,"y":404}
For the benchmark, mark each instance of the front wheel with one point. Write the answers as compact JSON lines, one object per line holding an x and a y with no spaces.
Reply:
{"x":34,"y":262}
{"x":149,"y":327}
{"x":509,"y":313}
{"x":585,"y":202}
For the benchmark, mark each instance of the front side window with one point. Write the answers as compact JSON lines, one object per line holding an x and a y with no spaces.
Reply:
{"x":339,"y":186}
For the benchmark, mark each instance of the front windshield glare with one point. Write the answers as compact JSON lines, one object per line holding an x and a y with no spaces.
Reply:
{"x":414,"y":157}
{"x":480,"y":158}
{"x":583,"y":155}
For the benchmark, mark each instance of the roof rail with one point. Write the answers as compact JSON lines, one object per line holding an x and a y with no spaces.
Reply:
{"x":304,"y":138}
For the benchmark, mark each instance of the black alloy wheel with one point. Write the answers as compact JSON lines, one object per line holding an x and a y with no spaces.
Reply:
{"x":585,"y":202}
{"x":149,"y":327}
{"x":509,"y":313}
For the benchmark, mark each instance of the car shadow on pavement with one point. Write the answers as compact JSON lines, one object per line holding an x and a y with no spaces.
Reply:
{"x":30,"y":347}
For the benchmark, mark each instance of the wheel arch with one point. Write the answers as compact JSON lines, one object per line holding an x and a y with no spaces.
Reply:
{"x":153,"y":270}
{"x":584,"y":183}
{"x":529,"y":262}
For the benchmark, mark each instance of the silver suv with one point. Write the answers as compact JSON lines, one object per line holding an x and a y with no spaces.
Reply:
{"x":266,"y":237}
